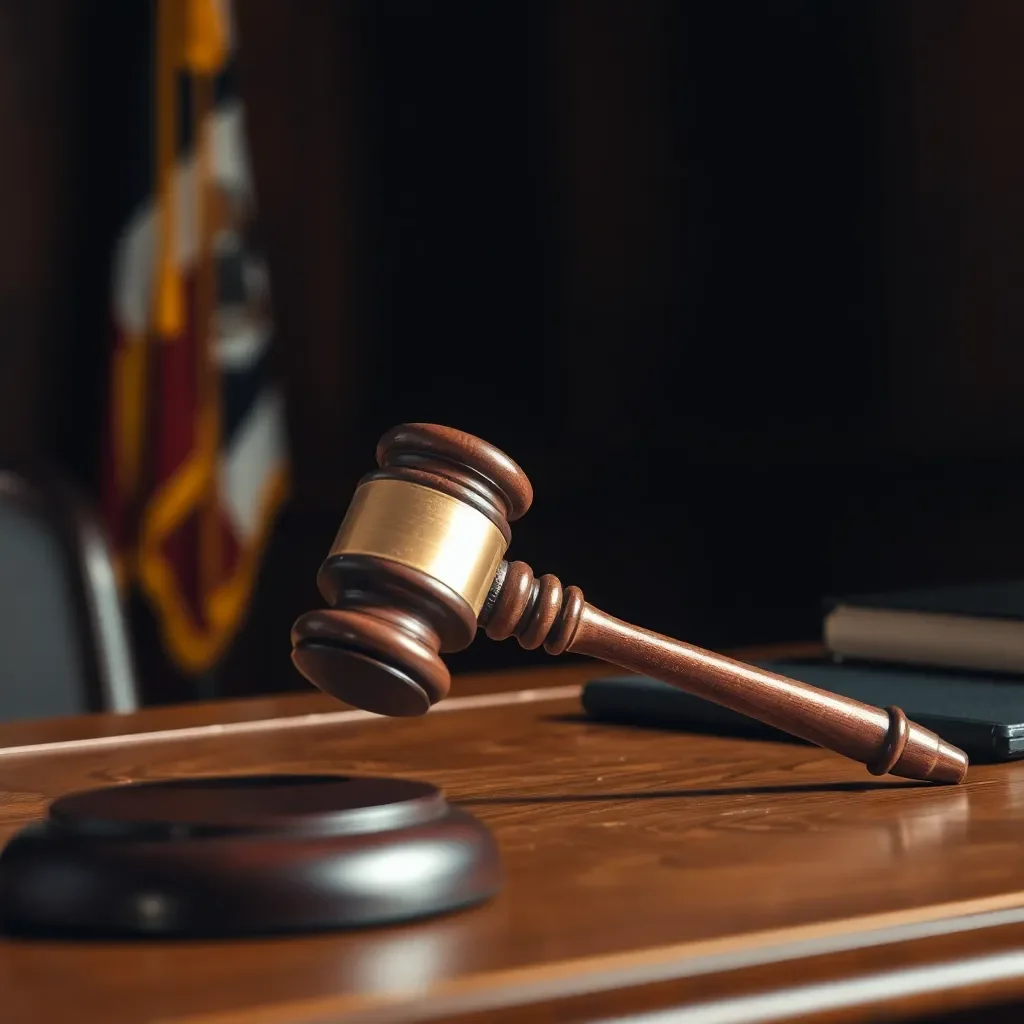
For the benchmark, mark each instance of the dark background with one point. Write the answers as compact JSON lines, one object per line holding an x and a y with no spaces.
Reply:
{"x":737,"y":283}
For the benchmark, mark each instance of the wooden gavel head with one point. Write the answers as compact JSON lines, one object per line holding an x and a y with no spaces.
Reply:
{"x":411,"y":569}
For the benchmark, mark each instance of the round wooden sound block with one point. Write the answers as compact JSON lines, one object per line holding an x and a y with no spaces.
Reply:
{"x":245,"y":855}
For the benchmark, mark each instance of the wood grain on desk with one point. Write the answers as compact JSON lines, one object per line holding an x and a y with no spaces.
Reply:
{"x":185,"y":716}
{"x":254,"y":709}
{"x":645,"y":870}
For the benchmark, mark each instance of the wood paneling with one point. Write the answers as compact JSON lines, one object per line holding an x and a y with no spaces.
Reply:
{"x":36,"y":176}
{"x":954,"y":225}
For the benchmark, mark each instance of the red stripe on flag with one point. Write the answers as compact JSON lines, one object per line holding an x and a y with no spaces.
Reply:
{"x":177,"y":419}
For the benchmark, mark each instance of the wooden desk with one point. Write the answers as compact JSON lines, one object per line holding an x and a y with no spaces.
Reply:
{"x":646,"y":870}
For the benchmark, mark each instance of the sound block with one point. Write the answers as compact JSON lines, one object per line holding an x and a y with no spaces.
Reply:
{"x":236,"y":856}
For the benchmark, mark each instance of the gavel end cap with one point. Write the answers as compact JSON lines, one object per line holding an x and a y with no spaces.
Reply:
{"x":361,"y":680}
{"x":951,"y":764}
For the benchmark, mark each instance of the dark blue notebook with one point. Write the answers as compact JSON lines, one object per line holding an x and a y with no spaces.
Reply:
{"x":981,"y":714}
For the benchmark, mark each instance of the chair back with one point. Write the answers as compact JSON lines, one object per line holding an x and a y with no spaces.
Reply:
{"x":64,"y":646}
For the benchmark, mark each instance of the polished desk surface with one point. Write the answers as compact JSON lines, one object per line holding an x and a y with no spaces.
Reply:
{"x":731,"y":880}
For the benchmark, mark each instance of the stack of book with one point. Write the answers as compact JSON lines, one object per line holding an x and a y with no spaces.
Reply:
{"x":977,"y":627}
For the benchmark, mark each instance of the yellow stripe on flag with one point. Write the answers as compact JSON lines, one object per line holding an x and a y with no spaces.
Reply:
{"x":194,"y":647}
{"x":168,"y":300}
{"x":206,"y":37}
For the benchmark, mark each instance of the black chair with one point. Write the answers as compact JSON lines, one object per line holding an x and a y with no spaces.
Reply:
{"x":64,"y":646}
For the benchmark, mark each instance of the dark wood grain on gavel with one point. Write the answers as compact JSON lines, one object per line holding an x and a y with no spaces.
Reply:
{"x":418,"y":566}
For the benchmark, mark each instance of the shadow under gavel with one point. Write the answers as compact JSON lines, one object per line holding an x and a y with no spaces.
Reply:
{"x":418,"y":566}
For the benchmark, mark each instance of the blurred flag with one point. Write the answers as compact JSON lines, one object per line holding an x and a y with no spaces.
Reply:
{"x":195,"y":464}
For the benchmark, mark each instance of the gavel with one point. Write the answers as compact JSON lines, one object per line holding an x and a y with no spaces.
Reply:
{"x":418,"y":567}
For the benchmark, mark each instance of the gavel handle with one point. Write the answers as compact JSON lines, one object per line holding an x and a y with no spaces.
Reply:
{"x":886,"y":741}
{"x":539,"y":612}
